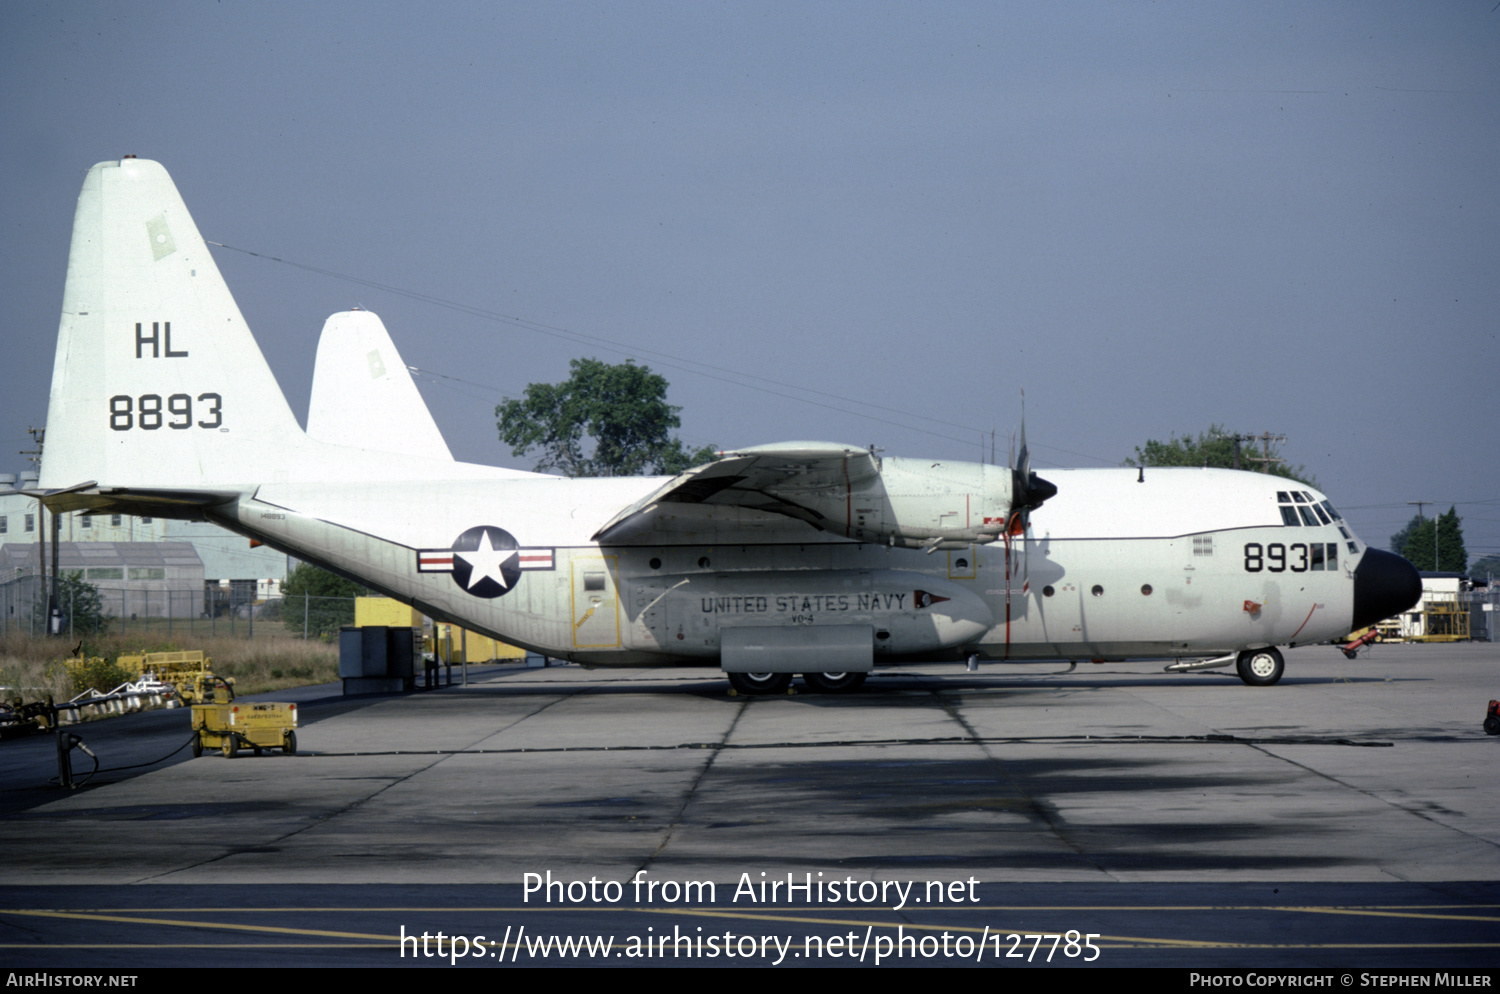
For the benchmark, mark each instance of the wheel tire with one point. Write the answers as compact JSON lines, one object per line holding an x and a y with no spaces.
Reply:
{"x":230,"y":748}
{"x":834,"y":683}
{"x":1260,"y":667}
{"x":760,"y":683}
{"x":197,"y":745}
{"x":1492,"y":725}
{"x":289,"y":744}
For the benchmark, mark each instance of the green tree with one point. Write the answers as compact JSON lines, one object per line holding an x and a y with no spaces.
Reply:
{"x":603,"y":420}
{"x":1484,"y":567}
{"x":1212,"y":448}
{"x":1398,"y":540}
{"x":318,"y":599}
{"x":1449,"y":556}
{"x":80,"y":604}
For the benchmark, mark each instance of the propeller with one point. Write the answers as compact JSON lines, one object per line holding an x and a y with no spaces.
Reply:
{"x":1027,"y":490}
{"x":1027,"y":493}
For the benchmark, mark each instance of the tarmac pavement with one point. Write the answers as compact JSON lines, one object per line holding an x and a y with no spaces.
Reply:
{"x":1355,"y":784}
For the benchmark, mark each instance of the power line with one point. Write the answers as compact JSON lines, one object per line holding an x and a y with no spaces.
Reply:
{"x":731,"y":376}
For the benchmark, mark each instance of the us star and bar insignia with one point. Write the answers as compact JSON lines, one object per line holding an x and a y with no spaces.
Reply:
{"x":485,"y":561}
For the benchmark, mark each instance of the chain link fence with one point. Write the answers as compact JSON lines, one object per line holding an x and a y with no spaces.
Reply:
{"x":232,"y":611}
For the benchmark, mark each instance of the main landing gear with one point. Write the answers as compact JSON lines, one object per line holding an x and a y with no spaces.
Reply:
{"x":834,"y":683}
{"x":1260,"y":667}
{"x":761,"y":684}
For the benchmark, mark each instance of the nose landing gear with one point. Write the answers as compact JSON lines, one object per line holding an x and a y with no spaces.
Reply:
{"x":1260,"y":667}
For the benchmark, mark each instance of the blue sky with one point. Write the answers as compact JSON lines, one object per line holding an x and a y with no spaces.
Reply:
{"x":1150,"y":217}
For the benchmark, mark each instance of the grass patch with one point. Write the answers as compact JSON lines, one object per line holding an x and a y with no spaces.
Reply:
{"x":31,"y":667}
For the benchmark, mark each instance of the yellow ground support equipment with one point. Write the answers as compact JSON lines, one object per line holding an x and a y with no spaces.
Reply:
{"x":1444,"y":619}
{"x":220,"y":723}
{"x":451,"y":645}
{"x":384,"y":611}
{"x":183,"y":670}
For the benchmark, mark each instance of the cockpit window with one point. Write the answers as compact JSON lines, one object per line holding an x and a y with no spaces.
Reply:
{"x":1298,"y":508}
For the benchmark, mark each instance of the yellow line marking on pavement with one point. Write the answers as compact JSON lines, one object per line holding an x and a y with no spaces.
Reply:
{"x":194,"y":945}
{"x":131,"y":917}
{"x":1394,"y":914}
{"x":1144,"y":944}
{"x":132,"y":920}
{"x":525,"y":908}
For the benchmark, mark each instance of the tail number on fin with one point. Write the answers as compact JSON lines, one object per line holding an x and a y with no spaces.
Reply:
{"x":145,"y":412}
{"x":153,"y":340}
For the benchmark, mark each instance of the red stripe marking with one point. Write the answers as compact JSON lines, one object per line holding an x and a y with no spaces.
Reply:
{"x":1304,"y":624}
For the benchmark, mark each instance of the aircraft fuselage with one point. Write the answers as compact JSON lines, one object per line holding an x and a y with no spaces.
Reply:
{"x":1169,"y":563}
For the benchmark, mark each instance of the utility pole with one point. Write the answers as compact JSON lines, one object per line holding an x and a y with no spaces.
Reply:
{"x":38,"y":435}
{"x":1266,"y":459}
{"x":1236,"y":439}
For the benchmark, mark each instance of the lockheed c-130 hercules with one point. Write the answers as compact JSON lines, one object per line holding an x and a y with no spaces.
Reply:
{"x":798,"y":558}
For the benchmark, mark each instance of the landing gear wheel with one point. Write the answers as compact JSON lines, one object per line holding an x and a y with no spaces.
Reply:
{"x":1260,"y":667}
{"x":760,"y":683}
{"x":197,"y":745}
{"x":834,"y":683}
{"x":230,"y":748}
{"x":289,"y":744}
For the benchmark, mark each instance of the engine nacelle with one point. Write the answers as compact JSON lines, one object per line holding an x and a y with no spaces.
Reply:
{"x":913,"y":503}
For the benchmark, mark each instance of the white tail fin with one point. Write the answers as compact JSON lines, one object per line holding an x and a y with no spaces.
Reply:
{"x":160,"y":396}
{"x":362,"y":394}
{"x":158,"y":381}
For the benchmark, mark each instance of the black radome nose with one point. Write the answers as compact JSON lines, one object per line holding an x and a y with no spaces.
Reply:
{"x":1384,"y":584}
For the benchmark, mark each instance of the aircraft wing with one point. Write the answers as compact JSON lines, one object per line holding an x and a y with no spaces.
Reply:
{"x":763,"y":478}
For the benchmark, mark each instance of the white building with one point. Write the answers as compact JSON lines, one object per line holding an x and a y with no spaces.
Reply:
{"x":229,"y":565}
